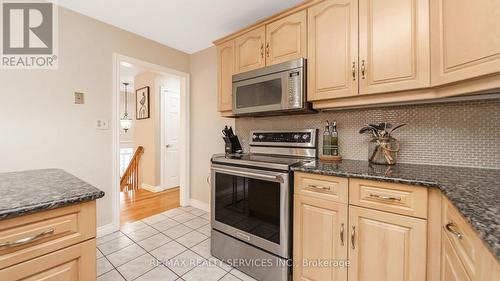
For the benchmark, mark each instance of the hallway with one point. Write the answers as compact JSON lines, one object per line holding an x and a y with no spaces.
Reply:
{"x":139,"y":204}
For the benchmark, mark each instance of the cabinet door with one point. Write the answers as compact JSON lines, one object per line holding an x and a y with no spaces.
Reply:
{"x":394,"y":51}
{"x":249,"y":50}
{"x":385,"y":246}
{"x":332,"y":44}
{"x":225,"y":70}
{"x":465,"y":39}
{"x":452,"y":269}
{"x":320,"y":235}
{"x":286,"y":38}
{"x":73,"y":263}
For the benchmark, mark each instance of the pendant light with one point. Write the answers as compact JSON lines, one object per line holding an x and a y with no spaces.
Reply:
{"x":126,"y":122}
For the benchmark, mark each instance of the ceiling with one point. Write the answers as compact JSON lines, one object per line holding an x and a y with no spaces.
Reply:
{"x":186,"y":25}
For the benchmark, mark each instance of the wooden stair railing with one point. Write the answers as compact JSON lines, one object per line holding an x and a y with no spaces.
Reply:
{"x":130,"y":179}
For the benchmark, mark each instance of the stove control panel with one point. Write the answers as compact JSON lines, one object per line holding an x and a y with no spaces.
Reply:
{"x":284,"y":138}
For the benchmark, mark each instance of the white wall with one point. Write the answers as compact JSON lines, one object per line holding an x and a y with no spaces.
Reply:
{"x":206,"y":123}
{"x":41,"y":127}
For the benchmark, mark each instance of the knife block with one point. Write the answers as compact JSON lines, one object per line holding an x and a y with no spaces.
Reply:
{"x":232,"y":145}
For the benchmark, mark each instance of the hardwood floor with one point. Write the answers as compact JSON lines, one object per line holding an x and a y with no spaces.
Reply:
{"x":136,"y":205}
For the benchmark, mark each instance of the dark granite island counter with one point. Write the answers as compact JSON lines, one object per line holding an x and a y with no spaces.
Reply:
{"x":474,"y":192}
{"x":32,"y":191}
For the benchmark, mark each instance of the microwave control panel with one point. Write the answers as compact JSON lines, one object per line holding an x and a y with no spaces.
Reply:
{"x":294,"y":98}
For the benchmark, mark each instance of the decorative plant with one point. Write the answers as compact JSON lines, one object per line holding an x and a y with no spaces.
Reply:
{"x":383,"y":147}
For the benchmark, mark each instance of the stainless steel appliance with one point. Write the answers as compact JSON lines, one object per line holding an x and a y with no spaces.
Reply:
{"x":252,"y":202}
{"x":272,"y":90}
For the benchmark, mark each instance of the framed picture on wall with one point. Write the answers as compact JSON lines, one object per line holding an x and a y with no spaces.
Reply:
{"x":142,"y":103}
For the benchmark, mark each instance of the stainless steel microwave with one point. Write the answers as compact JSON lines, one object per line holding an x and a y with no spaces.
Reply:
{"x":273,"y":90}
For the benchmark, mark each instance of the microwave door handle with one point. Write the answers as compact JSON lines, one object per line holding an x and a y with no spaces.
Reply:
{"x":278,"y":178}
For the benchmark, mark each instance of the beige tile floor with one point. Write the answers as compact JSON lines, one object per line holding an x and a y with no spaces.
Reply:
{"x":173,"y":245}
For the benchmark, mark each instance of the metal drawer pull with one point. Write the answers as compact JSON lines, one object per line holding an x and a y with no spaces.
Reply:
{"x":262,"y":50}
{"x":267,"y":49}
{"x":319,"y":187}
{"x":353,"y":71}
{"x":342,"y":235}
{"x":385,"y":197}
{"x":27,"y":239}
{"x":363,"y":68}
{"x":450,"y":228}
{"x":353,"y":236}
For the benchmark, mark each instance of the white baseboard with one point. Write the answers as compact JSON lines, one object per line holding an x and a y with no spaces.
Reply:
{"x":107,"y":229}
{"x":199,"y":204}
{"x":157,"y":188}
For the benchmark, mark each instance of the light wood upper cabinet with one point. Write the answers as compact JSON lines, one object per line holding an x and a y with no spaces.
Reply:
{"x":465,"y":39}
{"x":249,"y":50}
{"x":225,"y":70}
{"x":320,"y":234}
{"x":332,"y":50}
{"x":385,"y":246}
{"x":286,"y":38}
{"x":394,"y":47}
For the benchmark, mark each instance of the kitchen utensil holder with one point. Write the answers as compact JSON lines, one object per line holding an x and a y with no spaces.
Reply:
{"x":232,"y":145}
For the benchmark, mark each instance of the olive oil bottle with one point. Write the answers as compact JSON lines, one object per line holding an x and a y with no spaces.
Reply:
{"x":327,"y":140}
{"x":334,"y":139}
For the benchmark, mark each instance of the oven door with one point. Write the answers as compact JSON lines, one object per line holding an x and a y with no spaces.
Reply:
{"x":252,"y":206}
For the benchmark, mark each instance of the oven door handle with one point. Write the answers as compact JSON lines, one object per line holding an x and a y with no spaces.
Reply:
{"x":277,"y":178}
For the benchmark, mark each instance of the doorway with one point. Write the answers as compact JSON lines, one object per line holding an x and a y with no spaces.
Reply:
{"x":164,"y":184}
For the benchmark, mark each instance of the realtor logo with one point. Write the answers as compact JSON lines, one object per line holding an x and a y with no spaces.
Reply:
{"x":29,"y":37}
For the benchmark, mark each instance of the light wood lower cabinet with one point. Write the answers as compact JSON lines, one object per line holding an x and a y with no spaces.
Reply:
{"x":74,"y":263}
{"x":451,"y":267}
{"x":57,"y":244}
{"x":386,"y":247}
{"x":320,"y":236}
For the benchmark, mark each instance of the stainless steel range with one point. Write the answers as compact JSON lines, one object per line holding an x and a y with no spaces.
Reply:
{"x":252,"y":202}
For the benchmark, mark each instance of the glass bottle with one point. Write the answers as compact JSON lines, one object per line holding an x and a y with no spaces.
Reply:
{"x":327,"y":140}
{"x":334,"y":139}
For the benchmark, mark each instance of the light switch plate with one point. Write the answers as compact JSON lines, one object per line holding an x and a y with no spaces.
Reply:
{"x":102,"y":124}
{"x":79,"y":98}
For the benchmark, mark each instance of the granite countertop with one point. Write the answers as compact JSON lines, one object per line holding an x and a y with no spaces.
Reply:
{"x":474,"y":192}
{"x":38,"y":190}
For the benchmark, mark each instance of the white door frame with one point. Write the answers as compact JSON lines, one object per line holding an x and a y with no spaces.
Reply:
{"x":184,"y":155}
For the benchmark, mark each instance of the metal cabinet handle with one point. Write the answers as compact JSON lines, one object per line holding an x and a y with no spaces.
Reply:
{"x":262,"y":50}
{"x":353,"y":71}
{"x":342,"y":234}
{"x":267,"y":49}
{"x":209,"y":178}
{"x":363,"y":69}
{"x":450,"y":227}
{"x":353,"y":236}
{"x":390,"y":198}
{"x":318,"y":187}
{"x":27,"y":239}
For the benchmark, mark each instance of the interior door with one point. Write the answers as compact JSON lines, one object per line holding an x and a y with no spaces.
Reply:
{"x":286,"y":38}
{"x":320,"y":234}
{"x":332,"y":50}
{"x":171,"y":138}
{"x":394,"y":51}
{"x":249,"y":50}
{"x":386,"y":247}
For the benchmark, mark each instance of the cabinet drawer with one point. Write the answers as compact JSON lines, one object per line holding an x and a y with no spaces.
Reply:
{"x":69,"y":264}
{"x":320,"y":186}
{"x":462,"y":238}
{"x":37,"y":234}
{"x":391,"y":197}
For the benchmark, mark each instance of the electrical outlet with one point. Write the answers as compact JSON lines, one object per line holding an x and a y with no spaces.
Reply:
{"x":102,"y":124}
{"x":79,"y":98}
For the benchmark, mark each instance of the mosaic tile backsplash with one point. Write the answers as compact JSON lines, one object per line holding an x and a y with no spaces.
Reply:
{"x":463,"y":134}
